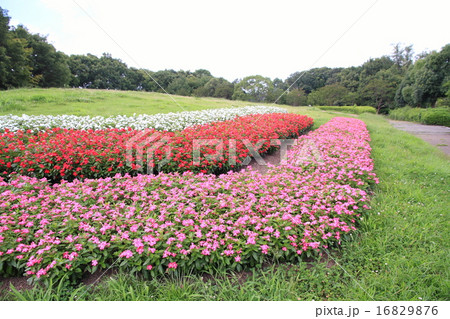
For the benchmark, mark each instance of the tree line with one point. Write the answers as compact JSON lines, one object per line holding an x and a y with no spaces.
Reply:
{"x":387,"y":82}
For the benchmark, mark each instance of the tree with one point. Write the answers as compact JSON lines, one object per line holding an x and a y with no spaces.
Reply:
{"x":296,"y":97}
{"x":254,"y":88}
{"x":313,"y":79}
{"x":224,"y":89}
{"x":349,"y":77}
{"x":198,"y":79}
{"x":80,"y":66}
{"x":425,"y":80}
{"x":433,"y":76}
{"x":105,"y":72}
{"x":380,"y":89}
{"x":333,"y":94}
{"x":373,"y":66}
{"x":164,"y":78}
{"x":14,"y":56}
{"x":280,"y":84}
{"x":402,"y":57}
{"x":216,"y":87}
{"x":179,"y":86}
{"x":49,"y":68}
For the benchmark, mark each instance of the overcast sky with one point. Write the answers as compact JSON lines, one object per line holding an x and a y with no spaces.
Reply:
{"x":234,"y":39}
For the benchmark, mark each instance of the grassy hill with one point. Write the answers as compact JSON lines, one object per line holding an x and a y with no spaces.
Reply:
{"x":103,"y":102}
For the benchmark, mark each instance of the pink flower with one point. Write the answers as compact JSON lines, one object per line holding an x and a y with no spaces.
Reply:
{"x":264,"y":249}
{"x":41,"y":272}
{"x":314,"y":245}
{"x":127,"y":254}
{"x":72,"y":256}
{"x":103,"y":245}
{"x":138,"y":243}
{"x":237,"y":258}
{"x":94,"y":262}
{"x":68,"y":266}
{"x":173,"y":265}
{"x":251,"y":241}
{"x":149,"y":267}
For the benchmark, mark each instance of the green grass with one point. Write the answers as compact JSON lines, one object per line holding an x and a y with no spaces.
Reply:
{"x":103,"y":102}
{"x":400,"y":252}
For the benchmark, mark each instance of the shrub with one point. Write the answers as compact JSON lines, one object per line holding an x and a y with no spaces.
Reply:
{"x":430,"y":116}
{"x":349,"y":109}
{"x":437,"y":117}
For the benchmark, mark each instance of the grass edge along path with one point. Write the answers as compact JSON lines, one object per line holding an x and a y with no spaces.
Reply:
{"x":400,"y":251}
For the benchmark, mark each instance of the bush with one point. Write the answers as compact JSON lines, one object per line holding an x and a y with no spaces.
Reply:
{"x":431,"y":116}
{"x":437,"y":117}
{"x":349,"y":109}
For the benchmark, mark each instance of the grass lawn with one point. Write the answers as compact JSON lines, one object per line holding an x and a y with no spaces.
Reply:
{"x":103,"y":102}
{"x":400,"y":252}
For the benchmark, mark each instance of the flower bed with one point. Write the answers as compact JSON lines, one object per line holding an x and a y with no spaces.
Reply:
{"x":59,"y":154}
{"x":162,"y":122}
{"x":156,"y":224}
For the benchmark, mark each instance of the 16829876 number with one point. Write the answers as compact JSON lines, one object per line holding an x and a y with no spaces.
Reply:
{"x":407,"y":310}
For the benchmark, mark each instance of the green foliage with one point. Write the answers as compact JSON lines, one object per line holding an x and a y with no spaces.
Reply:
{"x":349,"y":77}
{"x":379,"y":89}
{"x":14,"y":56}
{"x":48,"y":67}
{"x":349,"y":109}
{"x":216,"y":87}
{"x":313,"y":79}
{"x":402,"y":57}
{"x":254,"y":88}
{"x":425,"y":81}
{"x":296,"y":97}
{"x":430,"y":116}
{"x":436,"y":116}
{"x":444,"y":101}
{"x":333,"y":94}
{"x":28,"y":60}
{"x":373,"y":66}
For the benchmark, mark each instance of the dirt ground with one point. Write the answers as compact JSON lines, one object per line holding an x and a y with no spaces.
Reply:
{"x":274,"y":159}
{"x":438,"y":136}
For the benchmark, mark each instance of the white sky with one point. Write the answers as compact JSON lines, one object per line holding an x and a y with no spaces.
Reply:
{"x":234,"y":39}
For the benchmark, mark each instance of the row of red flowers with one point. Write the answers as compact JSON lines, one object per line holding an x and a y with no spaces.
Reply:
{"x":58,"y":154}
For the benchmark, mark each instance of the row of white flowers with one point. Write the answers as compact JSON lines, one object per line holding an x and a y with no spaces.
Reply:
{"x":162,"y":121}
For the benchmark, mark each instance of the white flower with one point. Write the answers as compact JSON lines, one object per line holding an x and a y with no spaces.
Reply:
{"x":164,"y":121}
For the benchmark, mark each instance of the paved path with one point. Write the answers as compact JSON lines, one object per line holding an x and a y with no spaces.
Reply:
{"x":435,"y":135}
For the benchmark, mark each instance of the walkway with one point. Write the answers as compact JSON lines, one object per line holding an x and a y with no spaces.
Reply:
{"x":435,"y":135}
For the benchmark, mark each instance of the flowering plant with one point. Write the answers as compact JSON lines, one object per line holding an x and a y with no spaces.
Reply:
{"x":166,"y":222}
{"x":63,"y":154}
{"x":162,"y":122}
